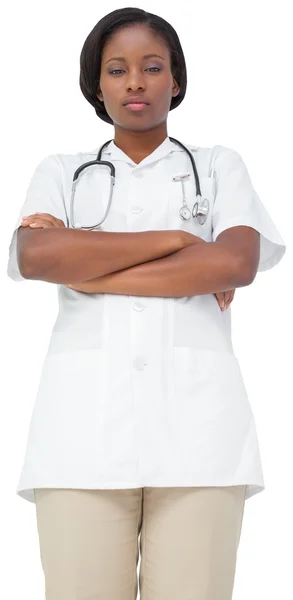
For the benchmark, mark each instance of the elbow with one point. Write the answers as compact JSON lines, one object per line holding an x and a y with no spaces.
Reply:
{"x":26,"y":253}
{"x":245,"y":273}
{"x":26,"y":264}
{"x":24,"y":267}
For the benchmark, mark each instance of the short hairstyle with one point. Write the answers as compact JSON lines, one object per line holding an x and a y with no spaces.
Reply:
{"x":90,"y":57}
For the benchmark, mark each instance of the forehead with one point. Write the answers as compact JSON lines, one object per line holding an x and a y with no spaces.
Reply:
{"x":135,"y":38}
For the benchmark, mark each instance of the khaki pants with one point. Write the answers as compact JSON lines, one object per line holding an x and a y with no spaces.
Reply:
{"x":89,"y":542}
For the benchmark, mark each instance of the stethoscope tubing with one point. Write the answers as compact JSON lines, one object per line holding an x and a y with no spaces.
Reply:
{"x":98,"y":161}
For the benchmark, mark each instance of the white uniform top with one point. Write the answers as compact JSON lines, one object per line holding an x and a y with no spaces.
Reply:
{"x":144,"y":391}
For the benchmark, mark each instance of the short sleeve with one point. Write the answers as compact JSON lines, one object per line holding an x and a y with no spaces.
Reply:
{"x":237,"y":203}
{"x":44,"y":194}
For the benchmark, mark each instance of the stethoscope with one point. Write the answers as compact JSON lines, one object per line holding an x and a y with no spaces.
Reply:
{"x":200,"y":208}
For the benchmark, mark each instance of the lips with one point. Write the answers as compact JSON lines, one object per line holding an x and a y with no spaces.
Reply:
{"x":135,"y":104}
{"x":135,"y":100}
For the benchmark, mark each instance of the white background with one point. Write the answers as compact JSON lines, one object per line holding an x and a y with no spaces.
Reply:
{"x":239,"y":95}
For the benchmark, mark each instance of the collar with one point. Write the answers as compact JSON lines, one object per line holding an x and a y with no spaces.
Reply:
{"x":112,"y":152}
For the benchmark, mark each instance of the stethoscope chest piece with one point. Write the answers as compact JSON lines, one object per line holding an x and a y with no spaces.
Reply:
{"x":200,"y":210}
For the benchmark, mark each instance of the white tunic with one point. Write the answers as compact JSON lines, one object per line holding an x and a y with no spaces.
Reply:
{"x":144,"y":391}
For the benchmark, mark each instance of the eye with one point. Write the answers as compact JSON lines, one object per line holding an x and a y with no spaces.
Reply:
{"x":121,"y":70}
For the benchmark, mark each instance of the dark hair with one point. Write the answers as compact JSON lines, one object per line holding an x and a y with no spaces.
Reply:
{"x":90,"y":58}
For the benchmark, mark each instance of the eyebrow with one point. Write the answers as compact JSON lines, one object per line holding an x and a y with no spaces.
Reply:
{"x":124,"y":59}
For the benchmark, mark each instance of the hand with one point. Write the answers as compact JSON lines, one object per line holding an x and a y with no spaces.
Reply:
{"x":44,"y":221}
{"x":41,"y":221}
{"x":225,"y":298}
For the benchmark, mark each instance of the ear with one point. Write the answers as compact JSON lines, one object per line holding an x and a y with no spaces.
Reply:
{"x":100,"y":95}
{"x":175,"y":88}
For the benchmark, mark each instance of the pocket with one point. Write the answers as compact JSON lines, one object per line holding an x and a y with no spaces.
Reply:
{"x":215,"y":419}
{"x":199,"y":323}
{"x":72,"y":341}
{"x":68,"y":409}
{"x":209,"y":376}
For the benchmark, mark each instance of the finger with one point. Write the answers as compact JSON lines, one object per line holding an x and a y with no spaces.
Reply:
{"x":28,"y":224}
{"x":31,"y":218}
{"x":59,"y":221}
{"x":38,"y":223}
{"x":223,"y":299}
{"x":42,"y":224}
{"x":27,"y":219}
{"x":229,"y":298}
{"x":232,"y":294}
{"x":220,"y":299}
{"x":46,"y":217}
{"x":38,"y":220}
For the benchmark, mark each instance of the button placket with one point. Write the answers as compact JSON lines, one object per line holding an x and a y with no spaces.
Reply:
{"x":138,"y":174}
{"x":136,"y":208}
{"x":140,"y":360}
{"x":135,"y":198}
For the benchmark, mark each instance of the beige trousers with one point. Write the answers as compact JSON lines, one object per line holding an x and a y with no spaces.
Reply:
{"x":89,"y":542}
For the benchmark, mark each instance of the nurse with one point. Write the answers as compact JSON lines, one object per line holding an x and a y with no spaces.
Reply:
{"x":142,"y":436}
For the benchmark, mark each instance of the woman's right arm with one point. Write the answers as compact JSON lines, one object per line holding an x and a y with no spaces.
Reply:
{"x":65,"y":255}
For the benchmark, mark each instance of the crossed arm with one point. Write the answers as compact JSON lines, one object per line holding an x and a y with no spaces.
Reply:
{"x":190,"y":271}
{"x":199,"y":268}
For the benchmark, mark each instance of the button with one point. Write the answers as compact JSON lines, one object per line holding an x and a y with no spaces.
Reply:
{"x":138,"y":306}
{"x":136,"y":209}
{"x":137,"y":174}
{"x":139,"y":363}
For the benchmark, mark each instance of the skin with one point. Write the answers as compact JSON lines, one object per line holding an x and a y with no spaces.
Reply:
{"x":137,"y":134}
{"x":103,"y":285}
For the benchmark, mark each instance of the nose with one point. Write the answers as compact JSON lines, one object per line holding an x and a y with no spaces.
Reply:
{"x":135,"y":80}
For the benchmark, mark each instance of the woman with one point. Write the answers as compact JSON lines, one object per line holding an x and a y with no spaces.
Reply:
{"x":142,"y":425}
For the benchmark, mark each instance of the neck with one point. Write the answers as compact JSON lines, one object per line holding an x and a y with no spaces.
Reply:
{"x":139,"y":144}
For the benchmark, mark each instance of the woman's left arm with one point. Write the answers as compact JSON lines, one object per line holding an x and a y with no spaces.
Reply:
{"x":200,"y":268}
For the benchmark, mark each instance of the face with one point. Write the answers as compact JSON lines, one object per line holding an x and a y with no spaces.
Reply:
{"x":125,"y":71}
